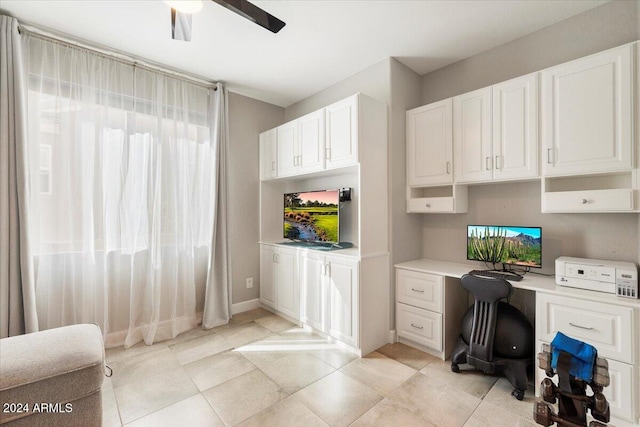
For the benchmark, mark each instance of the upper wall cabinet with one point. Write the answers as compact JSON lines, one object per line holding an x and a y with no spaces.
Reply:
{"x":301,"y":145}
{"x":342,"y":133}
{"x":495,"y":132}
{"x":515,"y":128}
{"x":587,"y":114}
{"x":472,"y":136}
{"x":430,"y":145}
{"x":268,"y":155}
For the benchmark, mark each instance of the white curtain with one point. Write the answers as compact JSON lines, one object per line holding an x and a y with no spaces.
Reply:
{"x":217,"y":306}
{"x":124,"y":164}
{"x":17,"y":293}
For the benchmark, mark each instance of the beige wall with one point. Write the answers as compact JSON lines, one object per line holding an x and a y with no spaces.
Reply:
{"x":372,"y":81}
{"x":247,"y":119}
{"x":597,"y":29}
{"x":604,"y":236}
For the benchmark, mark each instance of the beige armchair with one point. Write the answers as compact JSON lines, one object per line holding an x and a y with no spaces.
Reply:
{"x":53,"y":377}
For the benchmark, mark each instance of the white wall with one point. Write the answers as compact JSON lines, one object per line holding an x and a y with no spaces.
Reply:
{"x":605,"y":236}
{"x":247,"y":119}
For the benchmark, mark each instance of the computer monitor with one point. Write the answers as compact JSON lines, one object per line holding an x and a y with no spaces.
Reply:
{"x":506,"y":244}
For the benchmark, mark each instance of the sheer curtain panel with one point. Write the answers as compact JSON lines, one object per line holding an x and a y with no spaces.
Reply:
{"x":17,"y":292}
{"x":123,"y":165}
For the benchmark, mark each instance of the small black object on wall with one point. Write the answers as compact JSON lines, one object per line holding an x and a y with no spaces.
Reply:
{"x":345,"y":195}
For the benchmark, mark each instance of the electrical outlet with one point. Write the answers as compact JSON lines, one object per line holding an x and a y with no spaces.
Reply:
{"x":249,"y":282}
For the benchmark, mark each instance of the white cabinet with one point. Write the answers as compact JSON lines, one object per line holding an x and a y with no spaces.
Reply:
{"x":472,"y":136}
{"x":611,"y":329}
{"x":496,"y":132}
{"x":330,"y":295}
{"x":301,"y":145}
{"x":430,"y":144}
{"x":342,"y":133}
{"x":313,"y":290}
{"x":279,"y":279}
{"x":268,"y":273}
{"x":287,"y":143}
{"x":342,"y":277}
{"x":587,"y":114}
{"x":268,"y":154}
{"x":515,"y":128}
{"x":428,"y":313}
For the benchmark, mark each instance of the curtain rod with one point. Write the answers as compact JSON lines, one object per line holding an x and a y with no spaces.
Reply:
{"x":54,"y":36}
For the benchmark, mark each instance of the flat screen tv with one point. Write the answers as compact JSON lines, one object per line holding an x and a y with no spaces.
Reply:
{"x":506,"y":244}
{"x":312,"y":216}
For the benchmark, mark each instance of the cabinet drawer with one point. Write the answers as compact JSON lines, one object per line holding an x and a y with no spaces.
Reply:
{"x":589,"y":201}
{"x":419,"y":289}
{"x":430,"y":204}
{"x":421,"y":326}
{"x":607,"y":327}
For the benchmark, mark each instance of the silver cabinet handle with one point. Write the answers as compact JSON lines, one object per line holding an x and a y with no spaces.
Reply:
{"x":584,"y":201}
{"x":327,"y":153}
{"x":274,"y":257}
{"x":428,"y":205}
{"x":549,"y":155}
{"x":273,"y":165}
{"x":328,"y":270}
{"x":295,"y":160}
{"x":448,"y":168}
{"x":418,"y":290}
{"x":581,"y":327}
{"x":487,"y":160}
{"x":417,"y":327}
{"x":497,"y":162}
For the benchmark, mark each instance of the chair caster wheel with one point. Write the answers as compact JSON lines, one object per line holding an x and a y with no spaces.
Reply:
{"x":455,"y":368}
{"x":518,"y":394}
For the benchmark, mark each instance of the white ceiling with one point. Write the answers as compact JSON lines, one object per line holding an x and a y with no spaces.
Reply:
{"x":322,"y":43}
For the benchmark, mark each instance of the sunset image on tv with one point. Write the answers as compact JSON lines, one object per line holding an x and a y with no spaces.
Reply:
{"x":312,"y":216}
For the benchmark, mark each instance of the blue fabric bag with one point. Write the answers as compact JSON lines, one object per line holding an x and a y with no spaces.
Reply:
{"x":584,"y":356}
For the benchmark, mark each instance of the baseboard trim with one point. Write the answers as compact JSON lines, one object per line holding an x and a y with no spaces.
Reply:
{"x":245,"y":306}
{"x":393,"y":336}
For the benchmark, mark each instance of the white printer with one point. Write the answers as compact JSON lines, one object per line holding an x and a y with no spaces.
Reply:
{"x":614,"y":277}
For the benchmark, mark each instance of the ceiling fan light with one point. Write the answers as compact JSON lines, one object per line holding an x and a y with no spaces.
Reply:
{"x":185,"y":6}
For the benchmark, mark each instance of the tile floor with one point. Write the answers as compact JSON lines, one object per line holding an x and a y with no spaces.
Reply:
{"x":261,"y":370}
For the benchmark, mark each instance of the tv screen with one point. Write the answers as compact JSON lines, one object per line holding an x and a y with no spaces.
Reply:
{"x":312,"y":216}
{"x":505,"y":244}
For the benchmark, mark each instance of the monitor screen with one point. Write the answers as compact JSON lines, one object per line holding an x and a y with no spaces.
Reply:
{"x":505,"y":244}
{"x":312,"y":216}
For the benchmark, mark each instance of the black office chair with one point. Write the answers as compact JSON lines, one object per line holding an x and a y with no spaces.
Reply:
{"x":496,"y":337}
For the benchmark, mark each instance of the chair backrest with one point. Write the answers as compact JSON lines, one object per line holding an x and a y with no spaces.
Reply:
{"x":487,"y":293}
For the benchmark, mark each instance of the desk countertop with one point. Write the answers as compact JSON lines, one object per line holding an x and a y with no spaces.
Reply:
{"x":531,"y":281}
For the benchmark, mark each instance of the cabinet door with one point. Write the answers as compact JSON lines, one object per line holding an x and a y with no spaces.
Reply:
{"x":311,"y":136}
{"x":430,"y":144}
{"x":268,"y":275}
{"x":472,"y":136}
{"x":342,"y":276}
{"x":287,"y":152}
{"x":268,"y":154}
{"x":313,"y":290}
{"x":342,"y":133}
{"x":586,"y":114}
{"x":515,"y":128}
{"x":287,"y":283}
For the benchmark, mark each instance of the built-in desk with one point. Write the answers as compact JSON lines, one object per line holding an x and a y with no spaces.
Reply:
{"x":430,"y":304}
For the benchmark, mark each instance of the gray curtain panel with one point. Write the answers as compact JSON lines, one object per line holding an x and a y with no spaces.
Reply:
{"x":217,"y":302}
{"x":17,"y":289}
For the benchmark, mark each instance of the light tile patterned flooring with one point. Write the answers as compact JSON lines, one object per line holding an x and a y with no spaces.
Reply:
{"x":261,"y":370}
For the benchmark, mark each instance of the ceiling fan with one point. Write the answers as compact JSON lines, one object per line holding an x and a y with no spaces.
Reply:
{"x":181,"y":11}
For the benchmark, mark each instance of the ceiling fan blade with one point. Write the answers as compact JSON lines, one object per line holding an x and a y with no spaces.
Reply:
{"x":253,"y":13}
